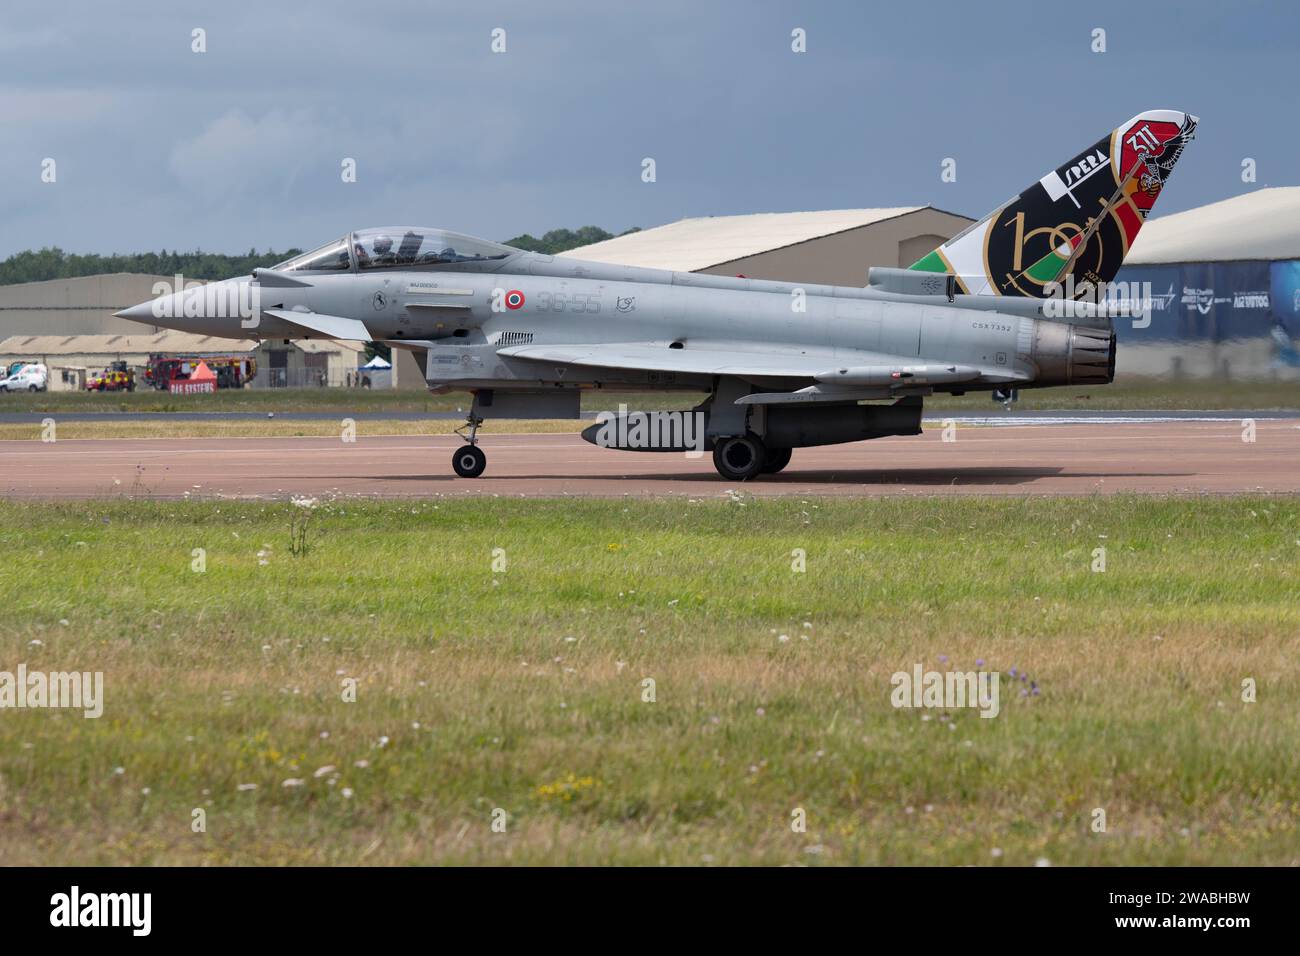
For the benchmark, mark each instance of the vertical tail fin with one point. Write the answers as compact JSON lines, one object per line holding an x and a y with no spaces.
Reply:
{"x":1079,"y":220}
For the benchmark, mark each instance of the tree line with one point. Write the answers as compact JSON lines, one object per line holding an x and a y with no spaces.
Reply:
{"x":40,"y":265}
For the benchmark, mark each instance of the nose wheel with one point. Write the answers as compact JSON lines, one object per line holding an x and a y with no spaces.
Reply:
{"x":469,"y":460}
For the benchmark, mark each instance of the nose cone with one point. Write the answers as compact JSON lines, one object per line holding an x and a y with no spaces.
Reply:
{"x":217,"y":308}
{"x":144,"y":312}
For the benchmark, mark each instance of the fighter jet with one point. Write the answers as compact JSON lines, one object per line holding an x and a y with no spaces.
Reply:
{"x":1010,"y":303}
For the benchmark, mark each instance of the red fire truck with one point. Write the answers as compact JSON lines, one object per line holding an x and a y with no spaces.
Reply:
{"x":232,"y":371}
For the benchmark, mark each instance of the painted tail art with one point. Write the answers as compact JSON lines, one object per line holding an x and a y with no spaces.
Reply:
{"x":1079,"y":220}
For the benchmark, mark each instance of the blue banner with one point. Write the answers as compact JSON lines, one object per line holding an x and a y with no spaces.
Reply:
{"x":1206,"y":301}
{"x":1284,"y":293}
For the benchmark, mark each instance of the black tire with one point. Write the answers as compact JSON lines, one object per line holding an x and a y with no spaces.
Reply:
{"x":740,"y":458}
{"x":469,"y":461}
{"x":32,"y":388}
{"x":775,"y":460}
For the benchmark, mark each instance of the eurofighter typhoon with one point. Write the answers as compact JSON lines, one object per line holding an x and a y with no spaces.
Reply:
{"x":1010,"y":303}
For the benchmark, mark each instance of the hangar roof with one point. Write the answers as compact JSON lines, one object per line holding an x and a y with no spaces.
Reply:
{"x":1262,"y":224}
{"x":692,"y":244}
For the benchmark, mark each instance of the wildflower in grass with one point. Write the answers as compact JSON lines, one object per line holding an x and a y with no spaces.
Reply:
{"x":293,"y":782}
{"x":567,"y":789}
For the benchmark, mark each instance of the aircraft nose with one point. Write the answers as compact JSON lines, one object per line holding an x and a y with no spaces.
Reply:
{"x":214,"y":308}
{"x":144,"y":312}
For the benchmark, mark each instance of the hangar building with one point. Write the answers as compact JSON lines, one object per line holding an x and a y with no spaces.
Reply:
{"x":69,"y":325}
{"x":1225,"y":288}
{"x":79,"y":306}
{"x":835,"y":246}
{"x":71,"y":358}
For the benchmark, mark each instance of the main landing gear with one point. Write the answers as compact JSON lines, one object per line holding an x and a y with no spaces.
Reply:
{"x":743,"y":457}
{"x":775,"y":460}
{"x":469,"y":460}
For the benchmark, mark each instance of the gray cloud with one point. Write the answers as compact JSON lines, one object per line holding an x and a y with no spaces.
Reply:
{"x":241,"y":146}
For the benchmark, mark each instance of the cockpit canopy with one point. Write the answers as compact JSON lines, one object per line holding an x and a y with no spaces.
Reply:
{"x":397,"y":247}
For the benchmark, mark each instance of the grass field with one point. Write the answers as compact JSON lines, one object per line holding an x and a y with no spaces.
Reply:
{"x":1126,"y":394}
{"x":521,"y":689}
{"x":278,"y":428}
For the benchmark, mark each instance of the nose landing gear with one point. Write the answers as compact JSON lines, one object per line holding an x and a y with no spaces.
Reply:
{"x":469,"y":460}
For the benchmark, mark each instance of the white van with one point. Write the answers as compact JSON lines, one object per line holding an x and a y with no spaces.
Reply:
{"x":34,"y":377}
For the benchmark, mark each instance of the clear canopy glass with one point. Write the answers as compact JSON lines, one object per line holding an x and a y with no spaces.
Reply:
{"x":396,"y":247}
{"x":404,"y":246}
{"x":332,"y":257}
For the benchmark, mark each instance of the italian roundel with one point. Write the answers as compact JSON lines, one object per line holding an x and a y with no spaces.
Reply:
{"x":514,"y":299}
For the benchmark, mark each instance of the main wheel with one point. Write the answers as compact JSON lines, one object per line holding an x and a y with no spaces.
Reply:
{"x":33,"y":388}
{"x":739,"y":458}
{"x":469,"y":461}
{"x":775,"y":460}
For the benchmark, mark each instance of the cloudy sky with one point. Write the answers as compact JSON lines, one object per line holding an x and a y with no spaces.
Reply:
{"x":157,"y":146}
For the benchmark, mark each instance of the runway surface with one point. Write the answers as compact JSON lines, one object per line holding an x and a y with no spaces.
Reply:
{"x":1185,"y":457}
{"x":1041,"y":416}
